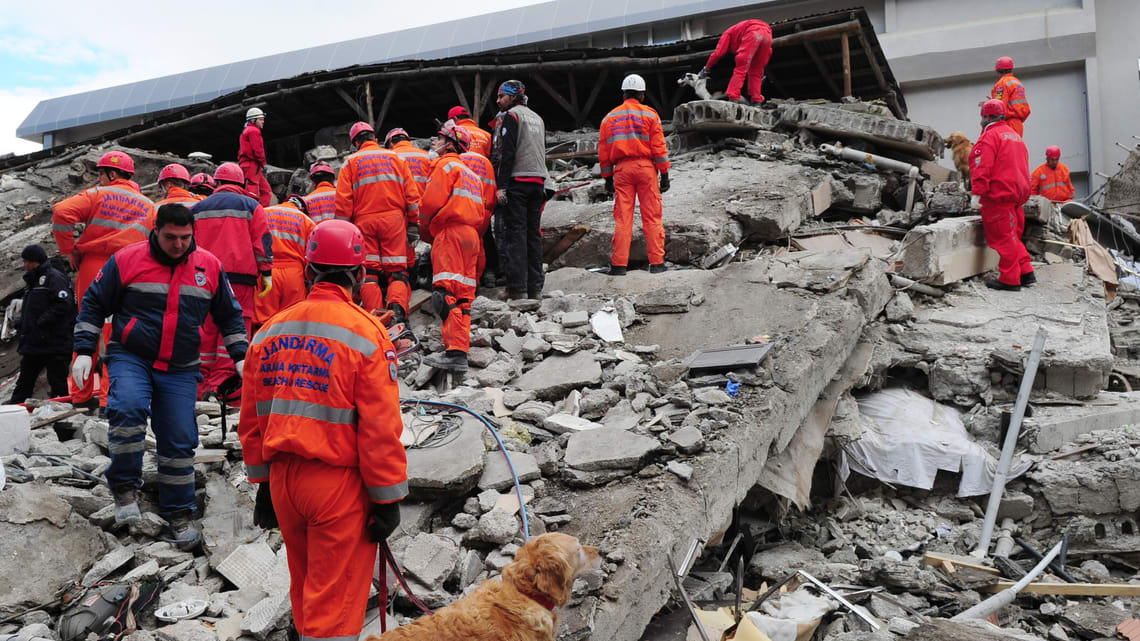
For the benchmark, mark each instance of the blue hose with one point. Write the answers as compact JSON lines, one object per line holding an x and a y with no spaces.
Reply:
{"x":502,"y":448}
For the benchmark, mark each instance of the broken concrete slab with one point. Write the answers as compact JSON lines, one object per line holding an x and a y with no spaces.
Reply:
{"x":1089,"y":487}
{"x":1053,"y":426}
{"x":947,"y":251}
{"x":451,"y":469}
{"x":431,"y":558}
{"x":900,"y":135}
{"x":114,"y":560}
{"x":187,"y":630}
{"x":721,"y":117}
{"x":248,"y":565}
{"x":227,"y":521}
{"x":969,"y":630}
{"x":562,"y":423}
{"x":667,"y":300}
{"x":607,"y":449}
{"x":496,"y":474}
{"x":30,"y":502}
{"x":555,"y":376}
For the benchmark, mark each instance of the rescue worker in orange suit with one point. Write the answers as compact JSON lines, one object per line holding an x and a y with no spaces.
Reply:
{"x":480,"y":138}
{"x":202,"y":184}
{"x":175,"y":183}
{"x":999,"y":176}
{"x":251,"y":157}
{"x":291,"y":226}
{"x":320,"y":432}
{"x":1011,"y":93}
{"x":419,"y":163}
{"x":320,"y":201}
{"x":376,"y":191}
{"x":233,"y":227}
{"x":452,"y":210}
{"x":631,"y":151}
{"x":1051,"y":179}
{"x":483,"y":168}
{"x":751,"y":42}
{"x":115,"y":215}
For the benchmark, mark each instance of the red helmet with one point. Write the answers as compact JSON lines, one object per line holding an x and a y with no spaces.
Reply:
{"x":458,"y":135}
{"x":174,"y":170}
{"x":202,"y":179}
{"x":117,"y":160}
{"x":1004,"y":63}
{"x":457,"y":112}
{"x":392,"y":133}
{"x":229,"y":172}
{"x":336,"y":243}
{"x":993,"y":107}
{"x":319,"y":168}
{"x":1053,"y":151}
{"x":358,"y":128}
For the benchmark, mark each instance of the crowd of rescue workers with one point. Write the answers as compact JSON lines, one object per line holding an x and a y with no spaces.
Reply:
{"x":212,"y":291}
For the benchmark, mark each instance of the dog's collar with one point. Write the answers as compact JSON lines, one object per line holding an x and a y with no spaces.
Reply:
{"x":541,"y":600}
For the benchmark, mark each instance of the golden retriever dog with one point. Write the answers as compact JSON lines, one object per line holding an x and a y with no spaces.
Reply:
{"x":519,"y":606}
{"x":961,"y":147}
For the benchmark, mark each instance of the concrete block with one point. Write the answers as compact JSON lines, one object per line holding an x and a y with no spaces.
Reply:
{"x":496,"y":474}
{"x":900,"y":135}
{"x":451,"y":469}
{"x":1038,"y":209}
{"x":721,"y":116}
{"x":563,"y":423}
{"x":607,"y":449}
{"x":555,"y":376}
{"x":947,"y":251}
{"x":948,"y":199}
{"x":1052,"y":426}
{"x":431,"y":558}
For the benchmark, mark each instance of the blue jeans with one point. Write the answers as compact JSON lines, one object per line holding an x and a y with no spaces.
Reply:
{"x":139,"y":391}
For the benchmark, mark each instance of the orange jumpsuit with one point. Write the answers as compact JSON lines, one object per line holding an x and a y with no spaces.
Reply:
{"x":1011,"y":92}
{"x":320,"y":420}
{"x":1053,"y":184}
{"x":115,"y":216}
{"x":419,"y":163}
{"x":179,"y":196}
{"x":376,"y":191}
{"x":486,"y":173}
{"x":451,"y":212}
{"x":632,"y":149}
{"x":480,"y":138}
{"x":320,"y":202}
{"x":290,"y":228}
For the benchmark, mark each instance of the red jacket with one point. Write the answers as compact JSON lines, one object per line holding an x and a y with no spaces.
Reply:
{"x":999,"y":165}
{"x":375,"y":181}
{"x":454,"y":196}
{"x":320,"y":202}
{"x":320,"y":383}
{"x":115,"y":216}
{"x":290,"y":228}
{"x":251,"y":148}
{"x":1053,"y":184}
{"x":731,"y":38}
{"x":233,"y":227}
{"x":632,"y":130}
{"x":1010,"y":91}
{"x":483,"y":168}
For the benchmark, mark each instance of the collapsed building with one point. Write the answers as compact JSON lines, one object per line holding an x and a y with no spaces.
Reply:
{"x":822,"y":316}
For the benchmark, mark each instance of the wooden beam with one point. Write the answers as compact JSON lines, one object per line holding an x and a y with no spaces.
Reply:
{"x":548,"y":88}
{"x":936,"y":559}
{"x":814,"y":55}
{"x":368,"y":99}
{"x":478,"y":97}
{"x":872,"y":60}
{"x":391,"y":93}
{"x":846,"y":48}
{"x":351,"y":102}
{"x":1074,"y":589}
{"x":570,"y":78}
{"x":459,"y":93}
{"x":592,"y":98}
{"x":488,"y":96}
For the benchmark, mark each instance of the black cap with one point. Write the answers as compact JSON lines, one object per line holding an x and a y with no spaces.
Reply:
{"x":34,"y":253}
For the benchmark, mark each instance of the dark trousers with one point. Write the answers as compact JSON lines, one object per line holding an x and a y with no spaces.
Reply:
{"x":30,"y":367}
{"x":518,"y":234}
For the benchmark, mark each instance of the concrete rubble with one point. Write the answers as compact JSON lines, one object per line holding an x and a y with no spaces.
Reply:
{"x":615,"y":439}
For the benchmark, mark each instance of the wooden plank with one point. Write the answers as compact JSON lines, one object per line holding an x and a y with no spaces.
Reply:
{"x":1073,"y":589}
{"x":57,"y":417}
{"x":351,"y":102}
{"x":845,"y":46}
{"x":204,"y":455}
{"x":459,"y":94}
{"x":368,"y":99}
{"x":548,"y":88}
{"x":419,"y":297}
{"x":565,"y":243}
{"x":391,"y":93}
{"x":814,"y":55}
{"x":592,"y":98}
{"x":936,"y":559}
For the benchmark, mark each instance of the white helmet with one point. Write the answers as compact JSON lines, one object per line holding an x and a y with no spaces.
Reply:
{"x":633,"y":82}
{"x":254,"y":113}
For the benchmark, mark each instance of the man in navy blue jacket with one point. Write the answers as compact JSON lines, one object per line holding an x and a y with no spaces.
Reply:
{"x":159,"y":293}
{"x":46,"y":320}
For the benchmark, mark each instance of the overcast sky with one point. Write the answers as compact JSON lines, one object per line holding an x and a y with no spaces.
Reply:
{"x":58,"y":47}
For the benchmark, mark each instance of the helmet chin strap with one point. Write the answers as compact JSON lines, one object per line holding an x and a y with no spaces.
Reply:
{"x":355,"y":277}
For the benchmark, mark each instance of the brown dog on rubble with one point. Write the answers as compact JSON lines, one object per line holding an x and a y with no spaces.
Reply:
{"x":961,"y":147}
{"x":519,"y":607}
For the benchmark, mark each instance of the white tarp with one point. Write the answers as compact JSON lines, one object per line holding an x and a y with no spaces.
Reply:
{"x":907,"y":438}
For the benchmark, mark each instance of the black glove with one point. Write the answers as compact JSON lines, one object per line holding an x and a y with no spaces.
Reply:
{"x":383,"y":520}
{"x":263,"y":514}
{"x":609,"y":184}
{"x":664,"y":184}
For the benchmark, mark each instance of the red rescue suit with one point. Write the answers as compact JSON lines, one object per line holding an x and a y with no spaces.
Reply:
{"x":179,"y":196}
{"x":290,"y":228}
{"x":451,"y":212}
{"x":251,"y":159}
{"x":114,"y":216}
{"x":751,"y":42}
{"x":419,"y":163}
{"x":376,"y":191}
{"x":320,"y":202}
{"x":1054,"y":184}
{"x":631,"y":148}
{"x":486,"y":173}
{"x":1011,"y":92}
{"x":999,"y":176}
{"x":320,"y":420}
{"x":480,"y":138}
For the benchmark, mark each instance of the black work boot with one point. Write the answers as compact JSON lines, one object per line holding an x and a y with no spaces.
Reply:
{"x":452,"y":360}
{"x":126,"y":505}
{"x":1029,"y":279}
{"x":617,"y":270}
{"x":656,"y":269}
{"x":997,"y":284}
{"x":183,"y":533}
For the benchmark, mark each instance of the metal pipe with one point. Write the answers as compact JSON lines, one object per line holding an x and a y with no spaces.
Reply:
{"x":1010,"y":445}
{"x":839,"y":597}
{"x":1005,"y":597}
{"x":1056,"y":567}
{"x":1004,"y":544}
{"x":878,"y":162}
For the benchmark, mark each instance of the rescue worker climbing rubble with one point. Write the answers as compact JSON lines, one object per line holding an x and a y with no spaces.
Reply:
{"x":1052,"y":179}
{"x":251,"y":157}
{"x":419,"y":163}
{"x":115,"y":215}
{"x":483,"y":168}
{"x":158,"y":292}
{"x":1009,"y":90}
{"x":480,"y":138}
{"x":376,"y":191}
{"x":999,"y":176}
{"x":751,"y":43}
{"x":291,"y":226}
{"x":174,"y":180}
{"x":631,"y":152}
{"x":233,"y":227}
{"x":320,"y":432}
{"x":320,"y":201}
{"x":452,"y":211}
